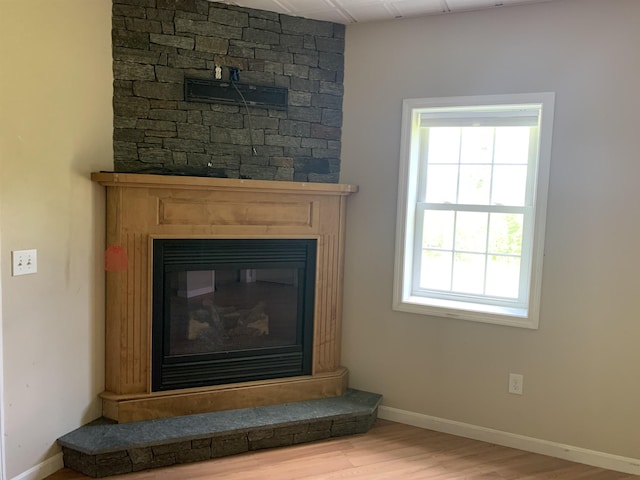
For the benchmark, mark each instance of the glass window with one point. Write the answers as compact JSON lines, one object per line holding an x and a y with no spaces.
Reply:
{"x":472,"y":200}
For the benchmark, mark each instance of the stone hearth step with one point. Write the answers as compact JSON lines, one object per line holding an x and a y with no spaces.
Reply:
{"x":100,"y":448}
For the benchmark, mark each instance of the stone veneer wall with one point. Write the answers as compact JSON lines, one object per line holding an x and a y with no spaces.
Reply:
{"x":156,"y":43}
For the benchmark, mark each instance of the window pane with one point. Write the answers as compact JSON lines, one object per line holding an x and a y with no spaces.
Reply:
{"x":503,"y":276}
{"x":442,"y":183}
{"x":477,"y":145}
{"x":471,"y":231}
{"x":438,"y":229}
{"x":505,"y":233}
{"x":444,"y":145}
{"x":509,"y":185}
{"x":512,"y":145}
{"x":468,"y":273}
{"x":435,"y":272}
{"x":475,"y":184}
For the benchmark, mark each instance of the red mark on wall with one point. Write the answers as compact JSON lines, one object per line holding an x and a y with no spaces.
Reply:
{"x":115,"y":259}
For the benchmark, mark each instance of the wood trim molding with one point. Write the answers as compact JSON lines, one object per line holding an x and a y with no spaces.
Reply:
{"x":157,"y":181}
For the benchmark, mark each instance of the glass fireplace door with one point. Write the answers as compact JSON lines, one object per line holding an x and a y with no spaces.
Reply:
{"x":227,"y":311}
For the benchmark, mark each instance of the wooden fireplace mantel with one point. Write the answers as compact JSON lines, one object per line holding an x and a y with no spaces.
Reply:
{"x":143,"y":207}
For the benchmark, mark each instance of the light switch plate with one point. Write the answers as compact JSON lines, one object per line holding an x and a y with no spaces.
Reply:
{"x":24,"y":262}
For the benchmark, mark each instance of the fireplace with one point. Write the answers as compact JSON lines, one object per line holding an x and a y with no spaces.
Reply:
{"x":231,"y":310}
{"x":261,"y":285}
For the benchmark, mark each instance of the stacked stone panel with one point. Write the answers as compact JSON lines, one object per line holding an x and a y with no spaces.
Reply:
{"x":157,"y":43}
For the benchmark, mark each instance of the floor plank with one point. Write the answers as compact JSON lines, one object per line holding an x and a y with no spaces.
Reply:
{"x":388,"y":451}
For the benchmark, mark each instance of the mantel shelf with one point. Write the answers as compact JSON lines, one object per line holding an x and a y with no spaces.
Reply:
{"x":112,"y":179}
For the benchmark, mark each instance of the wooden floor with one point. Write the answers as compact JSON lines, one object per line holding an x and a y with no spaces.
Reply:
{"x":388,"y":451}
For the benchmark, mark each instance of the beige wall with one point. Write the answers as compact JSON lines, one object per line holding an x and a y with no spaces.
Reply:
{"x":55,"y":128}
{"x":581,"y":381}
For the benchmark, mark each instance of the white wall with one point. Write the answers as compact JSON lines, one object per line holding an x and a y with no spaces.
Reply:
{"x":55,"y":128}
{"x":581,"y":381}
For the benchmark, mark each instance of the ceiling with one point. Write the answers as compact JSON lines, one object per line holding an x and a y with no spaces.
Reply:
{"x":359,"y":11}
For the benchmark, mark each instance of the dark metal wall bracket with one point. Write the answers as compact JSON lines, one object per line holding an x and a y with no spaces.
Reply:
{"x":216,"y":91}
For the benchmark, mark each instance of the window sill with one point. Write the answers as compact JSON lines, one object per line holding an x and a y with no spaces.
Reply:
{"x":475,"y":312}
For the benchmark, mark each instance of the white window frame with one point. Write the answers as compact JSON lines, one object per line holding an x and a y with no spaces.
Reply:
{"x":405,"y":297}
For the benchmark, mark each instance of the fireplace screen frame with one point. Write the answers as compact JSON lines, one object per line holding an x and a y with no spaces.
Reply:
{"x":169,"y":255}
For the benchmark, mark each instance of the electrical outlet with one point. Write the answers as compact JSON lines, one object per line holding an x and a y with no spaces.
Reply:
{"x":516,"y":382}
{"x":24,"y":262}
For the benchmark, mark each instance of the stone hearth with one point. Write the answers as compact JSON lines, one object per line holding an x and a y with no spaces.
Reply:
{"x":102,"y":448}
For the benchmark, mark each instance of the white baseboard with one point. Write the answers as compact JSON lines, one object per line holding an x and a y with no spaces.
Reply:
{"x":506,"y":439}
{"x":43,"y":469}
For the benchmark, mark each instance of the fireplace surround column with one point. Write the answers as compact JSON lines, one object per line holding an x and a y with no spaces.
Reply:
{"x":141,"y":208}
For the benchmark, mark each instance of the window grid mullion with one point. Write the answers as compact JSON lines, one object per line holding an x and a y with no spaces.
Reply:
{"x":454,"y":250}
{"x":486,"y":255}
{"x":475,"y":208}
{"x":486,"y":239}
